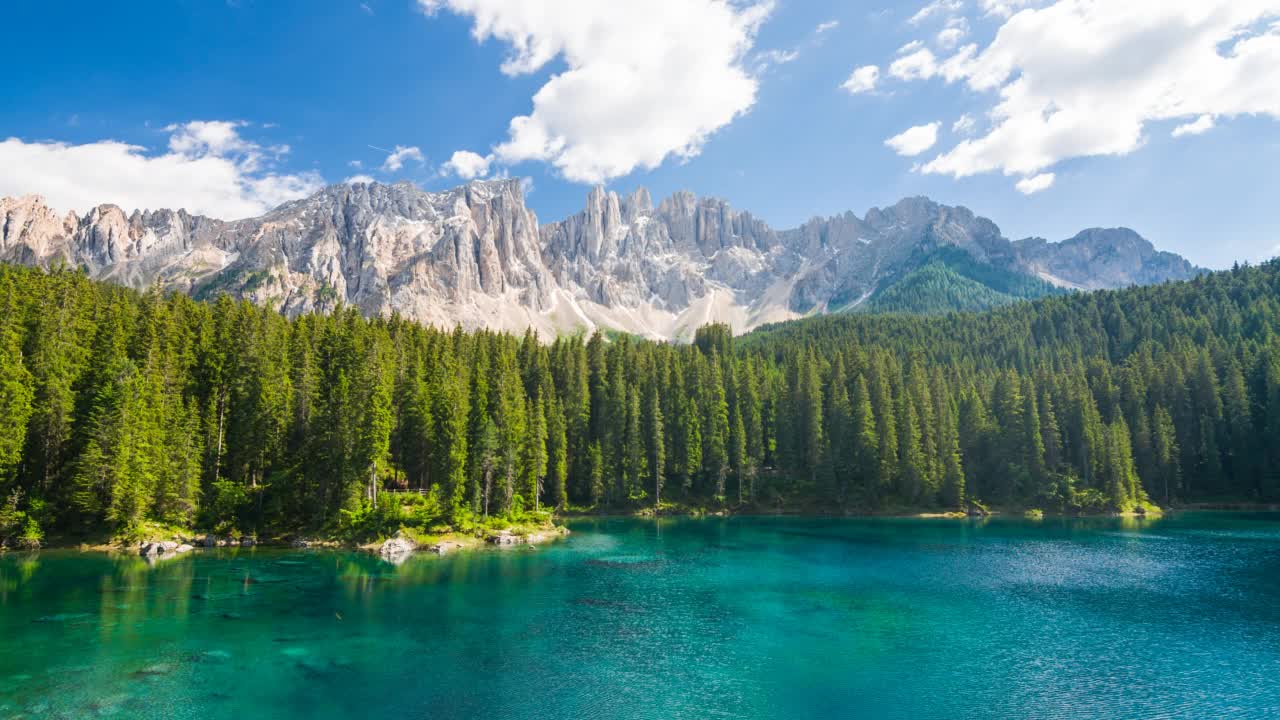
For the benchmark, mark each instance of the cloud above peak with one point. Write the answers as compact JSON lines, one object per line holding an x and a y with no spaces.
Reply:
{"x":467,"y":165}
{"x":209,"y":168}
{"x":915,"y":140}
{"x":397,"y":158}
{"x":643,"y":82}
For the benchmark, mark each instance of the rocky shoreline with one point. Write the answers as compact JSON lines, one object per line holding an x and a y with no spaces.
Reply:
{"x":399,"y":547}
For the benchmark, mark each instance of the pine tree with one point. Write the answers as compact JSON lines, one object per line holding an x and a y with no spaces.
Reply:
{"x":841,"y":443}
{"x":865,"y":441}
{"x":1165,"y":448}
{"x":715,"y":423}
{"x":557,"y":454}
{"x":16,"y":390}
{"x":657,"y":453}
{"x":535,"y":452}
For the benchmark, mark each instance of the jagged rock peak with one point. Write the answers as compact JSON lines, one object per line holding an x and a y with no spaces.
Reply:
{"x":476,"y":255}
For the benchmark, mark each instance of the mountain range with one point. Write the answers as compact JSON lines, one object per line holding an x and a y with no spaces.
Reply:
{"x":475,"y":255}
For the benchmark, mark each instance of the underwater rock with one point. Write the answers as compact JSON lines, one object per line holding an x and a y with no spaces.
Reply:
{"x":61,"y":617}
{"x":154,"y":670}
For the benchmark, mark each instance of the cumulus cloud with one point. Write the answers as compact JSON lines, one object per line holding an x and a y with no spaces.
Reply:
{"x":862,"y":79}
{"x":963,"y":125}
{"x":1005,"y":8}
{"x":936,"y":8}
{"x":1200,"y":125}
{"x":1035,"y":183}
{"x":209,"y":137}
{"x":1078,"y":78}
{"x":951,"y":35}
{"x":357,"y":179}
{"x":915,"y":140}
{"x":209,"y":168}
{"x":918,"y":65}
{"x":400,"y":156}
{"x":467,"y":165}
{"x":828,"y":25}
{"x":641,"y":82}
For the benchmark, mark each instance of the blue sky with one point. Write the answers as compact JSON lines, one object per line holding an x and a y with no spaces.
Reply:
{"x":229,"y":107}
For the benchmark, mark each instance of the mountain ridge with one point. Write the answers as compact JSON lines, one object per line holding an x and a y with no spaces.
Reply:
{"x":476,"y":255}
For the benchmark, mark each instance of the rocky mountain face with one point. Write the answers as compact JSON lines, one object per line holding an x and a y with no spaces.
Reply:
{"x":476,"y":255}
{"x":1100,"y":258}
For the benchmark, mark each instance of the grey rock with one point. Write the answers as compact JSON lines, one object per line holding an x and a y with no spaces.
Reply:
{"x":398,"y":546}
{"x":476,"y":256}
{"x":159,"y":548}
{"x":505,"y":537}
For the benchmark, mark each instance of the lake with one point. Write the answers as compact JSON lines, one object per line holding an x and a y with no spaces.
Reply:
{"x":681,"y":618}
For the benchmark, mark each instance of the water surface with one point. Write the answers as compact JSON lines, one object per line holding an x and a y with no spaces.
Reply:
{"x":737,"y":618}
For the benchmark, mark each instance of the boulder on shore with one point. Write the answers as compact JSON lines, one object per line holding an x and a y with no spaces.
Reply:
{"x":505,"y":537}
{"x":155,"y":549}
{"x":398,"y":546}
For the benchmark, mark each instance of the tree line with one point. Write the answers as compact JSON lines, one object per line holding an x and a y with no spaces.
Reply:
{"x":122,"y":408}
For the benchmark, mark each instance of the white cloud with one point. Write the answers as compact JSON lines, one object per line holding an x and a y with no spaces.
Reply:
{"x":1005,"y":8}
{"x":862,"y":79}
{"x":400,"y":156}
{"x":208,"y":169}
{"x":936,"y":8}
{"x":1079,"y":78}
{"x":354,"y":179}
{"x":919,"y":65}
{"x":208,"y":137}
{"x":963,"y":125}
{"x":1200,"y":125}
{"x":913,"y":141}
{"x":771,"y":58}
{"x":641,"y":82}
{"x":467,"y":165}
{"x":1035,"y":183}
{"x":826,"y":26}
{"x":356,"y":164}
{"x":951,"y":35}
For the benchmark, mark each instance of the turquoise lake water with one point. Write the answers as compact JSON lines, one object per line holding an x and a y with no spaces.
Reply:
{"x":736,"y":618}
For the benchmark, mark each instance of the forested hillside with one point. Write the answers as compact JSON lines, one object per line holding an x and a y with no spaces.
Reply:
{"x":121,"y":409}
{"x":950,"y":279}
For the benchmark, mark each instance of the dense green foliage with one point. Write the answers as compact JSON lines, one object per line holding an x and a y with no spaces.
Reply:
{"x":950,"y":279}
{"x":122,"y":409}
